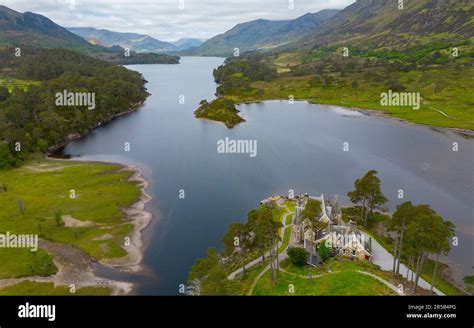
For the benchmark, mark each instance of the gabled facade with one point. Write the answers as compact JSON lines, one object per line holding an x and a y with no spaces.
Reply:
{"x":344,"y":240}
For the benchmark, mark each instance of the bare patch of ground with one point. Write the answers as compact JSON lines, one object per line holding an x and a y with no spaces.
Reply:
{"x":71,"y":222}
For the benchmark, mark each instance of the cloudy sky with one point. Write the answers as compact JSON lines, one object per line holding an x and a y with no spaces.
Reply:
{"x":169,"y":19}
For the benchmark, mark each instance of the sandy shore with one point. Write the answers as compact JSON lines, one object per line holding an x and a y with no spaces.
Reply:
{"x":140,"y":218}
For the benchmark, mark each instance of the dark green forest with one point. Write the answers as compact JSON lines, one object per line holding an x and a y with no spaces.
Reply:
{"x":31,"y":122}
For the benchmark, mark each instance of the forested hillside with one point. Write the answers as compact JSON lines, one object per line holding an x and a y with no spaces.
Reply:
{"x":30,"y":120}
{"x":30,"y":30}
{"x":387,"y":23}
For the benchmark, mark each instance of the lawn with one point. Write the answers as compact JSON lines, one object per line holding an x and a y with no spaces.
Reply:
{"x":291,"y":205}
{"x":289,"y":219}
{"x":286,"y":239}
{"x":30,"y":288}
{"x":331,"y":284}
{"x":243,"y":283}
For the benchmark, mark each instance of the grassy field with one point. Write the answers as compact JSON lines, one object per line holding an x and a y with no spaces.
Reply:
{"x":30,"y":288}
{"x":331,"y":284}
{"x":289,"y":219}
{"x":286,"y":240}
{"x":291,"y":205}
{"x":20,"y":262}
{"x":38,"y":196}
{"x":243,"y":283}
{"x":338,"y":276}
{"x":454,"y":100}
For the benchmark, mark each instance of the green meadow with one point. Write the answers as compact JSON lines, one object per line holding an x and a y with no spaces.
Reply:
{"x":454,"y":100}
{"x":332,"y":284}
{"x":31,"y":288}
{"x":39,"y":194}
{"x":20,"y":262}
{"x":338,"y":276}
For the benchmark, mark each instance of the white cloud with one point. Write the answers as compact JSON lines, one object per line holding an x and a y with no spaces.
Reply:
{"x":163,"y":19}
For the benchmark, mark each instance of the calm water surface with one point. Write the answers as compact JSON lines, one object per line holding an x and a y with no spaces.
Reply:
{"x":300,"y":147}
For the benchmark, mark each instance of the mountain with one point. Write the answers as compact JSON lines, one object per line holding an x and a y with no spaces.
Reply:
{"x":263,"y":34}
{"x":187,"y":43}
{"x":366,"y":50}
{"x":29,"y":30}
{"x":382,"y":23}
{"x":36,"y":31}
{"x":134,"y":41}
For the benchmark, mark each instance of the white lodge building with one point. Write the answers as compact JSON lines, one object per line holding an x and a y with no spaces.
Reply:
{"x":340,"y":239}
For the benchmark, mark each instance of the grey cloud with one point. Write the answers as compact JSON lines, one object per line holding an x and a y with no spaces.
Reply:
{"x":164,"y":19}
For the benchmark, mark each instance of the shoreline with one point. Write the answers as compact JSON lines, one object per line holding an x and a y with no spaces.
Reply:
{"x":368,"y":112}
{"x":140,"y":218}
{"x":136,"y":214}
{"x":76,"y":136}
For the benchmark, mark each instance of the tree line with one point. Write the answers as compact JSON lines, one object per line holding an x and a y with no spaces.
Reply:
{"x":31,"y":122}
{"x":419,"y":230}
{"x":243,"y":241}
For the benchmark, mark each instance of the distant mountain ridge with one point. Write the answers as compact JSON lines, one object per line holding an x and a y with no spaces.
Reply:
{"x":134,"y":41}
{"x":30,"y":30}
{"x":187,"y":43}
{"x":263,"y":34}
{"x":36,"y":31}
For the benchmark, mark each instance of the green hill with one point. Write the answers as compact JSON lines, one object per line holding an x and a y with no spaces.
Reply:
{"x":262,"y":34}
{"x":381,"y":23}
{"x":36,"y":31}
{"x":136,"y":42}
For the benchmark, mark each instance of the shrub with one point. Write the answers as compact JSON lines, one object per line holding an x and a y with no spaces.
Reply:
{"x":298,"y":256}
{"x":323,"y":251}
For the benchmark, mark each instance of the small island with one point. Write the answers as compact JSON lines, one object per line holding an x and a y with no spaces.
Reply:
{"x":357,"y":82}
{"x":221,"y":110}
